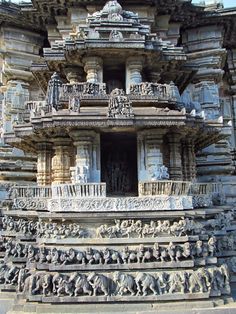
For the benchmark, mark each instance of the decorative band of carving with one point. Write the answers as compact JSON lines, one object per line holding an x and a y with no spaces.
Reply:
{"x":202,"y":200}
{"x":121,"y":204}
{"x":211,"y":280}
{"x":30,"y":203}
{"x":170,"y":252}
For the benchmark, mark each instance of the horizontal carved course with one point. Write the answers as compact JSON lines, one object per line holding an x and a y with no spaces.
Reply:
{"x":119,"y":229}
{"x":170,"y":252}
{"x":100,"y":203}
{"x":24,"y":203}
{"x":211,"y":280}
{"x":169,"y":195}
{"x":120,"y":204}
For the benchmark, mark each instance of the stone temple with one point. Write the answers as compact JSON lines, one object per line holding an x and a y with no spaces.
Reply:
{"x":117,"y":157}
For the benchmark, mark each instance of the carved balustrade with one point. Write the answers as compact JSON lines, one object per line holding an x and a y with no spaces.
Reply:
{"x":206,"y":194}
{"x":42,"y":197}
{"x":168,"y":187}
{"x":30,"y":108}
{"x":36,"y":198}
{"x":31,"y":197}
{"x":201,"y":188}
{"x":160,"y":91}
{"x":31,"y":191}
{"x":34,"y":105}
{"x":62,"y":190}
{"x":79,"y":190}
{"x":82,"y":89}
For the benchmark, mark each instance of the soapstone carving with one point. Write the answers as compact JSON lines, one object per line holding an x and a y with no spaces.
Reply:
{"x":211,"y":279}
{"x":119,"y":105}
{"x":105,"y":256}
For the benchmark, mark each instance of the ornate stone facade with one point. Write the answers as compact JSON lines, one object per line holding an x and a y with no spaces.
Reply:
{"x":117,"y":156}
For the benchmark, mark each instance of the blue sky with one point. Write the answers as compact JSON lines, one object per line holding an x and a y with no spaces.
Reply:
{"x":227,"y":3}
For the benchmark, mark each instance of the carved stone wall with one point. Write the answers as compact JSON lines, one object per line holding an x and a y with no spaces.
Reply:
{"x":139,"y":107}
{"x":18,"y":49}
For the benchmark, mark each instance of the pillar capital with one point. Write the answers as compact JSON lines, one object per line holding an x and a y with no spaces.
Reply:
{"x":82,"y":135}
{"x":135,"y":61}
{"x":74,"y":74}
{"x":93,"y":66}
{"x":134,"y":66}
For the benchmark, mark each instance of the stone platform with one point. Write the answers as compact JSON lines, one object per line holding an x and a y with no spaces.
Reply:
{"x":191,"y":307}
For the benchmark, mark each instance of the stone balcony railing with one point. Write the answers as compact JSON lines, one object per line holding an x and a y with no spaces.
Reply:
{"x":93,"y":195}
{"x":62,"y":190}
{"x":82,"y":89}
{"x":70,"y":96}
{"x":79,"y":190}
{"x":154,"y":188}
{"x":37,"y":197}
{"x":206,"y":194}
{"x":31,"y":191}
{"x":166,"y":92}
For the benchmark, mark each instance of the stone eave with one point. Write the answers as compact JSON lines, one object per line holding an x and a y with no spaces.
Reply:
{"x":215,"y":132}
{"x":48,"y":126}
{"x":12,"y":14}
{"x":164,"y":53}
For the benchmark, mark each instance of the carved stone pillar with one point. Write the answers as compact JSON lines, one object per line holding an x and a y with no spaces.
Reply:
{"x":87,"y":165}
{"x":44,"y":164}
{"x":93,"y":66}
{"x":150,"y":155}
{"x":61,"y":161}
{"x":175,"y":166}
{"x":188,"y":160}
{"x":134,"y":66}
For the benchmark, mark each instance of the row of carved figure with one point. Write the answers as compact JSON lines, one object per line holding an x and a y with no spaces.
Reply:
{"x":212,"y":279}
{"x":42,"y":229}
{"x":184,"y":226}
{"x":164,"y":253}
{"x":121,"y":228}
{"x":227,"y":243}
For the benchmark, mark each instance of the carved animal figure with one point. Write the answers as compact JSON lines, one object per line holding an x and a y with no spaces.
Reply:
{"x":29,"y":283}
{"x":156,"y":251}
{"x":143,"y":254}
{"x":94,"y":256}
{"x":124,"y":282}
{"x":81,"y":257}
{"x":212,"y":246}
{"x":146,"y":282}
{"x":199,"y":280}
{"x":164,"y":254}
{"x":111,"y":256}
{"x":64,"y":285}
{"x":82,"y":284}
{"x":186,"y":250}
{"x":176,"y":282}
{"x":171,"y":251}
{"x":11,"y":275}
{"x":99,"y":283}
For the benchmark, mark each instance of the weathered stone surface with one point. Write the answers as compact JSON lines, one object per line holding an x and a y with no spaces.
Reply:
{"x":126,"y":120}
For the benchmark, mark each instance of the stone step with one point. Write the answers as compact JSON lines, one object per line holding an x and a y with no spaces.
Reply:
{"x":191,"y":307}
{"x":6,"y":302}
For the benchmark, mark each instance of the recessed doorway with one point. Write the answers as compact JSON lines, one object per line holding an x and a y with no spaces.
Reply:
{"x":119,"y":163}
